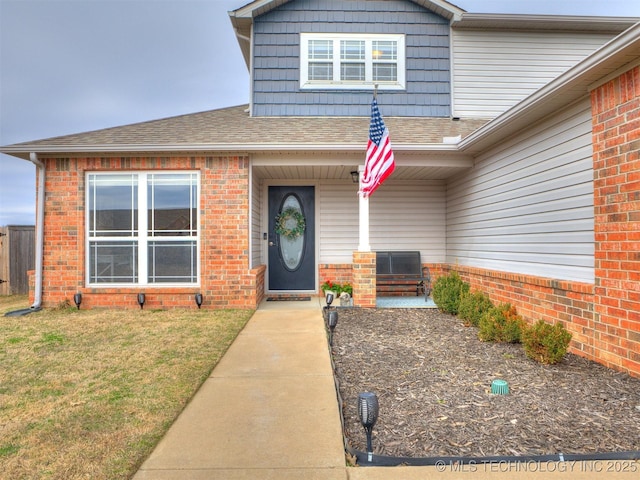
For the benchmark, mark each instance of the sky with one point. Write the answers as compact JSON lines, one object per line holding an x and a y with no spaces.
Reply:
{"x":69,"y":66}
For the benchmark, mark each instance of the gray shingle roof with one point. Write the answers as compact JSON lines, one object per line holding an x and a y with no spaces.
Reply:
{"x":233,"y":129}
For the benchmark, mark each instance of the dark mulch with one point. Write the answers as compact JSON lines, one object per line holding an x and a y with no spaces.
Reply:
{"x":433,"y":380}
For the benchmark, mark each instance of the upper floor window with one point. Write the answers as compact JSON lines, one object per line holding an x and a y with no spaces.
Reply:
{"x":142,"y":228}
{"x":348,"y":61}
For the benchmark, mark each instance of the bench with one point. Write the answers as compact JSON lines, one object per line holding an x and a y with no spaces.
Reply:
{"x":401,"y":269}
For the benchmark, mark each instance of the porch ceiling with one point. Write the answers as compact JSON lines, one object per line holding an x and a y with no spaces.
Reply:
{"x":425,"y":166}
{"x":343,"y":172}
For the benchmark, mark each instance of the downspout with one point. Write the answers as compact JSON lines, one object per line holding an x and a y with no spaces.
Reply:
{"x":37,"y":303}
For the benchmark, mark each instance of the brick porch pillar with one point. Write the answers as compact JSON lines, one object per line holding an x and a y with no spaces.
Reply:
{"x":364,"y":279}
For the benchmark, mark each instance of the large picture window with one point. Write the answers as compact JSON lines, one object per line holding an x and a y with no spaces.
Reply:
{"x":343,"y":61}
{"x":142,"y":228}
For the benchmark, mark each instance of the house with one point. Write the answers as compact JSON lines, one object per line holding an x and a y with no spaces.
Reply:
{"x":516,"y":141}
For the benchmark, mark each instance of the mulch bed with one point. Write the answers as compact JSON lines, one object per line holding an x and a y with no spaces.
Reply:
{"x":433,"y":380}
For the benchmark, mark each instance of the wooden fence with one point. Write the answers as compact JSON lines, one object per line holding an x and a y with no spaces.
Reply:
{"x":17,"y":257}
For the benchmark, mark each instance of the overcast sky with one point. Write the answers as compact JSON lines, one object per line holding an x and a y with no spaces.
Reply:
{"x":70,"y":66}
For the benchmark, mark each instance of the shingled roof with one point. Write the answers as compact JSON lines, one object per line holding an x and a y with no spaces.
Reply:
{"x":232,"y":129}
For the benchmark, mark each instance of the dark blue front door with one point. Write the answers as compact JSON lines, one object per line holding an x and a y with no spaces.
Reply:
{"x":291,"y":238}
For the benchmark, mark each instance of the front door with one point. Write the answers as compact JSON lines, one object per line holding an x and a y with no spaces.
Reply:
{"x":291,"y":238}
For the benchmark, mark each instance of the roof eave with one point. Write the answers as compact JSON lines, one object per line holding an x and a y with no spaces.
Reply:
{"x":260,"y":7}
{"x":512,"y":21}
{"x":55,"y":150}
{"x":242,"y":18}
{"x":242,"y":28}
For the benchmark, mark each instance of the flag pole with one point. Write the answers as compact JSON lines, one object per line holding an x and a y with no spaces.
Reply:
{"x":378,"y":165}
{"x":363,"y":204}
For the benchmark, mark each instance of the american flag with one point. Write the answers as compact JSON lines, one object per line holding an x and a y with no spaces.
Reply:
{"x":379,"y":163}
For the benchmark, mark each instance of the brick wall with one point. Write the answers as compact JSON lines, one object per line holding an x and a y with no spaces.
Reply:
{"x":226,"y":282}
{"x":537,"y":298}
{"x":334,"y":272}
{"x":344,"y":272}
{"x":616,"y":160}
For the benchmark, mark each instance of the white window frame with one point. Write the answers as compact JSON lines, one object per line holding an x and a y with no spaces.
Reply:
{"x":337,"y":83}
{"x":143,"y":238}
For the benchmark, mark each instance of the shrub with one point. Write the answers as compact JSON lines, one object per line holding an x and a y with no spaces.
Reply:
{"x":546,"y":343}
{"x":473,"y":306}
{"x":447,"y":291}
{"x":501,"y":324}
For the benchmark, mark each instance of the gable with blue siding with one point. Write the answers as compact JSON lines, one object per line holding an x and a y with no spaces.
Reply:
{"x":276,"y":58}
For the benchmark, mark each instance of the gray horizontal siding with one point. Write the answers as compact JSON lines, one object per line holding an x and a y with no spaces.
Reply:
{"x":338,"y":222}
{"x":527,"y":207}
{"x":276,"y":68}
{"x":410,"y":216}
{"x":492,"y":71}
{"x":256,"y":230}
{"x":402,"y":216}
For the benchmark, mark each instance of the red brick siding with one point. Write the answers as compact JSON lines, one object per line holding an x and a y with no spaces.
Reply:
{"x":537,"y":298}
{"x":336,"y":273}
{"x":616,"y":161}
{"x":226,"y":280}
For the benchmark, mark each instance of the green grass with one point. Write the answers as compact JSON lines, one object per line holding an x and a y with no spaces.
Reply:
{"x":89,"y":393}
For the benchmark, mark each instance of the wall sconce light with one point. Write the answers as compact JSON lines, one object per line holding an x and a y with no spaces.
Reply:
{"x":355,"y":176}
{"x":77,"y":299}
{"x":368,"y":413}
{"x":198,"y":299}
{"x":332,"y":320}
{"x":141,"y":300}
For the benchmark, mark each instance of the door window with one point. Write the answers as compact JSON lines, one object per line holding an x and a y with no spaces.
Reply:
{"x":290,"y":227}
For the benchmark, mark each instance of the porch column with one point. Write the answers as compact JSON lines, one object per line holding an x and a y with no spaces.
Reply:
{"x":364,"y":260}
{"x":364,"y":279}
{"x":363,"y":220}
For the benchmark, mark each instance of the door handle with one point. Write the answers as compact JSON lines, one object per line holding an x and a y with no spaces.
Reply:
{"x":271,"y":244}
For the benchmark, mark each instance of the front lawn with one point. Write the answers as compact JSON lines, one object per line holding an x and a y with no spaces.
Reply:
{"x":89,"y":393}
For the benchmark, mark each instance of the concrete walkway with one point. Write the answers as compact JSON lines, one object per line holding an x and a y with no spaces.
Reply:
{"x":269,"y":411}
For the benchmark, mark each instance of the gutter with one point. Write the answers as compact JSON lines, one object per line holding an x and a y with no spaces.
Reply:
{"x":21,"y":151}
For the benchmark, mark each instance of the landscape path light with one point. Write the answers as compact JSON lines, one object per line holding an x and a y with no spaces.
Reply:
{"x":198,"y":299}
{"x":368,"y":413}
{"x":141,"y":299}
{"x":77,"y":299}
{"x":329,"y":299}
{"x":325,"y":310}
{"x":332,"y":320}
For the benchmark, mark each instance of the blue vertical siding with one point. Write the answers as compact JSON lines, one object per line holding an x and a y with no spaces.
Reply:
{"x":276,"y":79}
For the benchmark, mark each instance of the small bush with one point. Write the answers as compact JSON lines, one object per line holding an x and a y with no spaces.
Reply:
{"x":546,"y":343}
{"x":501,"y":324}
{"x":447,"y":291}
{"x":473,"y":306}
